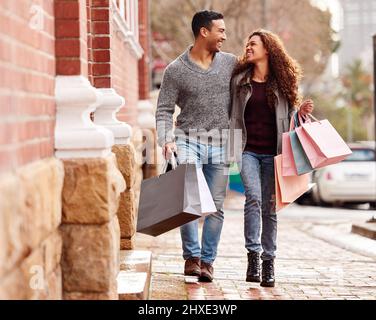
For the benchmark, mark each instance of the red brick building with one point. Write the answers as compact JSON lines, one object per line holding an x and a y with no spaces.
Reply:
{"x":63,"y":63}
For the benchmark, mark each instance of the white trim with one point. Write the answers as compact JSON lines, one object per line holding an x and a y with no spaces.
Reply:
{"x":126,"y":29}
{"x":136,"y":22}
{"x":105,"y":115}
{"x":128,"y":17}
{"x":76,"y":136}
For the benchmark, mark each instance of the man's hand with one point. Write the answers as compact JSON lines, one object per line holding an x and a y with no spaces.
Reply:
{"x":168,"y":149}
{"x":306,"y":107}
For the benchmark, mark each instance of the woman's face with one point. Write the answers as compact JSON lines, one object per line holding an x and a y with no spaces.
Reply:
{"x":255,"y":50}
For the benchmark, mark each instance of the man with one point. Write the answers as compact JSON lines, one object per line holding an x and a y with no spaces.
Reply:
{"x":199,"y":83}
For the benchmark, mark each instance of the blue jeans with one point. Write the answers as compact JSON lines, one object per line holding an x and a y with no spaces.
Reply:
{"x":209,"y":158}
{"x":257,"y":173}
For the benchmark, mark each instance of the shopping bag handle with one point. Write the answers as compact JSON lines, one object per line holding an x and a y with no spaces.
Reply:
{"x":173,"y":161}
{"x":294,"y":121}
{"x":297,"y":119}
{"x":314,"y":118}
{"x":307,"y":118}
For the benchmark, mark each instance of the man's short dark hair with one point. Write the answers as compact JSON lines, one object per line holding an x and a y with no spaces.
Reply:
{"x":204,"y":19}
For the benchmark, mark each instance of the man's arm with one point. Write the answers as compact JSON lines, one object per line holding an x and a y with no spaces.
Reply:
{"x":167,"y":99}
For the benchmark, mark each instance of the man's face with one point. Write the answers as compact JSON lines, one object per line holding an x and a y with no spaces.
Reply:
{"x":216,"y":36}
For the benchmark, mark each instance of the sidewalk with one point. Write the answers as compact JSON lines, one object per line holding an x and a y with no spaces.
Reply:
{"x":306,"y":266}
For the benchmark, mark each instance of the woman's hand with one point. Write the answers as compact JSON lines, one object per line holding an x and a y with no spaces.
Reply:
{"x":306,"y":107}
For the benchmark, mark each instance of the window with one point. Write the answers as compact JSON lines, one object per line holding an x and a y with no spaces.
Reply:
{"x":129,"y":12}
{"x":125,"y":17}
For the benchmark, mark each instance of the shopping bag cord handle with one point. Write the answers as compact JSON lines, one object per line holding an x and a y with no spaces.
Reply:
{"x":314,"y":118}
{"x":173,"y":162}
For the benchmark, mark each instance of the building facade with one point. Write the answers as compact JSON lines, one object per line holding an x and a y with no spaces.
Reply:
{"x":74,"y":107}
{"x":357,"y":29}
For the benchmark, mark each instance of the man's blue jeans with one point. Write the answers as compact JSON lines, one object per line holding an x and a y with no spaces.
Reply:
{"x":257,"y":172}
{"x":210,"y":159}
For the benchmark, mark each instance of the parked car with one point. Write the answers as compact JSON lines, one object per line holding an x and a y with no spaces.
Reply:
{"x":352,"y":181}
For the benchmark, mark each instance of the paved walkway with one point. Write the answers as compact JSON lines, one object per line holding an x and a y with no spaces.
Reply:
{"x":306,"y":267}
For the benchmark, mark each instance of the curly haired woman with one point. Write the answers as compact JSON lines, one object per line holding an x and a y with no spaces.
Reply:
{"x":264,"y":97}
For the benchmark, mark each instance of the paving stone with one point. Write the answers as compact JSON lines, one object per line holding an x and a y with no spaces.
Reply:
{"x":307,"y":268}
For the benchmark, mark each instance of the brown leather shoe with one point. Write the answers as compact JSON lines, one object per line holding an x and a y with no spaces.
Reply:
{"x":192,"y":267}
{"x":206,"y":272}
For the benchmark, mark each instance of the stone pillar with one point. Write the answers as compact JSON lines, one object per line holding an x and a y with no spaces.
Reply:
{"x":128,"y":206}
{"x":105,"y":115}
{"x":90,"y":228}
{"x":92,"y":184}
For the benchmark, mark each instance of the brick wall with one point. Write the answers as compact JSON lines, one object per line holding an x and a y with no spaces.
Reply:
{"x":124,"y":72}
{"x":27,"y":69}
{"x":125,"y":79}
{"x":144,"y":63}
{"x":71,"y":37}
{"x":99,"y":43}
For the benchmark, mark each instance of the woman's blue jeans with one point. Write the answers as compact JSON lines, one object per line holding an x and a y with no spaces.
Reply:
{"x":257,"y":172}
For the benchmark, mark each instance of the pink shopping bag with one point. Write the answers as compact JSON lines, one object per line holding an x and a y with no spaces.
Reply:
{"x":322,"y":143}
{"x":288,"y":163}
{"x":288,"y":189}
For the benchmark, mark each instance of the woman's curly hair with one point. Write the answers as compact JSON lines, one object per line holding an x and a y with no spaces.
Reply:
{"x":284,"y":72}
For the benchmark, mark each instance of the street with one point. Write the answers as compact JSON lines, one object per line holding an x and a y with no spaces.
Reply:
{"x":317,"y":258}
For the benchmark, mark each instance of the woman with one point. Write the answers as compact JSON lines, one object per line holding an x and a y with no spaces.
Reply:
{"x":264,"y":97}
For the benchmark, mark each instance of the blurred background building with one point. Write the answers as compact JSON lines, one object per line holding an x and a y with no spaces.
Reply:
{"x":358,"y":25}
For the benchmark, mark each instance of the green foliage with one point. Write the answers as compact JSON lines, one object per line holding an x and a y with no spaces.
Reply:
{"x":353,"y":103}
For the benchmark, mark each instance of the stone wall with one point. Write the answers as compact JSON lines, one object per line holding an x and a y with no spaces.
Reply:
{"x":90,"y":229}
{"x":30,"y":241}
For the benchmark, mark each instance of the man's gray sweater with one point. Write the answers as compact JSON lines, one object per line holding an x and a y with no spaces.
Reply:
{"x":202,"y":95}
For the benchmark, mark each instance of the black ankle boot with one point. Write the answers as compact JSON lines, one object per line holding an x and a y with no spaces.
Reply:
{"x":268,"y":279}
{"x":253,"y":269}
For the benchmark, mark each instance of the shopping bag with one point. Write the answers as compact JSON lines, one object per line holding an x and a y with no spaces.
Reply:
{"x":321,"y":143}
{"x":288,"y":189}
{"x":301,"y":161}
{"x":288,"y":163}
{"x":173,"y":199}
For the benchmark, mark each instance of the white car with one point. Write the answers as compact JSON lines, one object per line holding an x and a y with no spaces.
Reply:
{"x":350,"y":181}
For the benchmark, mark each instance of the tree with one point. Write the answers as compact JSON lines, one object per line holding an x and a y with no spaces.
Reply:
{"x":305,"y":29}
{"x":357,"y":92}
{"x":349,"y":108}
{"x":338,"y":114}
